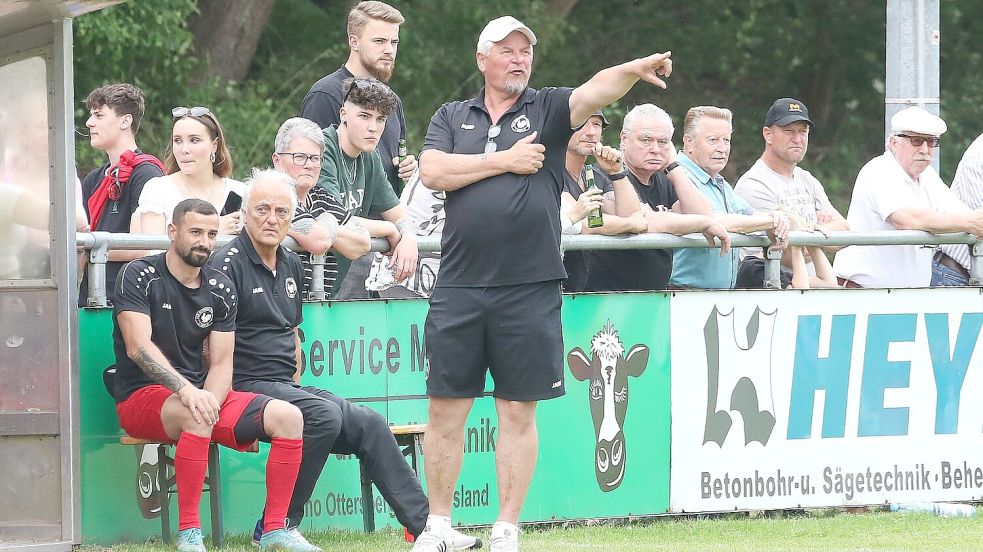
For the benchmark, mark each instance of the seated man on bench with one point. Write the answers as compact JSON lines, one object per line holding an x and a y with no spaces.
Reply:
{"x":268,"y":359}
{"x":167,"y":307}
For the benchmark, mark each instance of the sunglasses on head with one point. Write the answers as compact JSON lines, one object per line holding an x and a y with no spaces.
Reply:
{"x":179,"y":112}
{"x":363,"y":84}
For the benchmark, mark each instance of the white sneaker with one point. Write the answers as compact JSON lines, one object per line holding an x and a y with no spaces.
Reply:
{"x":504,"y":538}
{"x":459,"y":541}
{"x":432,"y":539}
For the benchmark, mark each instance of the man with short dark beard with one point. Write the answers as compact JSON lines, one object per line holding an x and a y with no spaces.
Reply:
{"x":373,"y":38}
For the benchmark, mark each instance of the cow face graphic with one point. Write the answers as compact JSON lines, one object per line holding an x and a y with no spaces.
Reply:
{"x":148,"y":489}
{"x":607,"y":370}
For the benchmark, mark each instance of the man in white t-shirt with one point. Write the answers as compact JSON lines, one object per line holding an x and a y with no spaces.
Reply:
{"x":776,"y":181}
{"x":900,"y":190}
{"x":950,"y":267}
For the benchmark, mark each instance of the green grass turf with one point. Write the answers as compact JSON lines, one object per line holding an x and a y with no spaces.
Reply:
{"x":821,"y":530}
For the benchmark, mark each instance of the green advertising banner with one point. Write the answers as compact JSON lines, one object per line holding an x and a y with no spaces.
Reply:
{"x":601,"y":454}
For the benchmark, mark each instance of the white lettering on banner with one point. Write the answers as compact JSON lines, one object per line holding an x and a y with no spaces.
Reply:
{"x":825,"y":398}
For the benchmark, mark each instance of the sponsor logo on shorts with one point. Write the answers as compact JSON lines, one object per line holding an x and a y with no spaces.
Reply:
{"x":204,"y":317}
{"x":557,"y":384}
{"x":291,"y":287}
{"x":257,"y":290}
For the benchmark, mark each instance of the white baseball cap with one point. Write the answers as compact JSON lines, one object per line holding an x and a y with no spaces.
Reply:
{"x":917,"y":120}
{"x":498,"y":29}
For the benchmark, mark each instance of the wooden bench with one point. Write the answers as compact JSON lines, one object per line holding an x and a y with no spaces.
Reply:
{"x":408,"y":437}
{"x":167,"y":485}
{"x":410,"y":441}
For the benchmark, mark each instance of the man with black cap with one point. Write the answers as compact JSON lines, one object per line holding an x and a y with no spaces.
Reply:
{"x":900,"y":190}
{"x":776,"y":181}
{"x":496,"y":305}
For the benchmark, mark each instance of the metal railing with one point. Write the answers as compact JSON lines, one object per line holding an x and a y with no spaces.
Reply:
{"x":100,"y":243}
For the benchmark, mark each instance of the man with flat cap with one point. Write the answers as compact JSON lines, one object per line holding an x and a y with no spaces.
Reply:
{"x":900,"y":190}
{"x":776,"y":181}
{"x":496,"y":304}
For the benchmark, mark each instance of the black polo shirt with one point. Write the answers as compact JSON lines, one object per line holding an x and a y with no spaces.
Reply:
{"x":115,"y":217}
{"x":180,"y":317}
{"x":577,"y":263}
{"x":270,"y":307}
{"x":637,"y":269}
{"x":504,"y":230}
{"x":322,"y":104}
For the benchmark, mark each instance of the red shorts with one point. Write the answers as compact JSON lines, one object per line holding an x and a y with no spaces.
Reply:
{"x":139,"y":416}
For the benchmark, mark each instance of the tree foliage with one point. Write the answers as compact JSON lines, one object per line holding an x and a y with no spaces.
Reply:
{"x":740,"y":55}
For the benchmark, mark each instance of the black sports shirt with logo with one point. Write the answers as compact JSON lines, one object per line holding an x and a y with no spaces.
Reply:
{"x":270,"y":307}
{"x":180,"y":317}
{"x":504,"y":230}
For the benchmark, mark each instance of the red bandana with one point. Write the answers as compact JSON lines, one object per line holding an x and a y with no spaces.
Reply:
{"x":111,"y":187}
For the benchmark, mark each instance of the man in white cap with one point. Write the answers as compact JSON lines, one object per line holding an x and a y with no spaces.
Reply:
{"x":900,"y":190}
{"x":500,"y":156}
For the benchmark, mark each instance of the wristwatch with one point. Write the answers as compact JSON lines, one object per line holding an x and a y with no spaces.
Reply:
{"x":670,"y":167}
{"x":618,"y":175}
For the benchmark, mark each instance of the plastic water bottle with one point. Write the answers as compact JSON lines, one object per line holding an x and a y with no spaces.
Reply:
{"x":944,"y":509}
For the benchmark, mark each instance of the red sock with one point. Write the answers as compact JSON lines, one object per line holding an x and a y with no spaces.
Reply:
{"x":281,"y":474}
{"x":190,"y":465}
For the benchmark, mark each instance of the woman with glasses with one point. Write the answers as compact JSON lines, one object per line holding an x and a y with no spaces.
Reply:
{"x":198,"y":165}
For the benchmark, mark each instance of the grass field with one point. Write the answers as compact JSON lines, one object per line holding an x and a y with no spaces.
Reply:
{"x":822,"y":530}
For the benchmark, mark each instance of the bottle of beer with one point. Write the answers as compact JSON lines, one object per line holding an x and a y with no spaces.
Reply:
{"x":401,"y":154}
{"x":595,"y":218}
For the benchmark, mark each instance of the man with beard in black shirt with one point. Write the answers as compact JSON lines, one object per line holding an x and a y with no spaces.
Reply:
{"x":168,"y":308}
{"x":670,"y":202}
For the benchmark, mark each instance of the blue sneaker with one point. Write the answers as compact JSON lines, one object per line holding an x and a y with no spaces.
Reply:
{"x":289,"y":540}
{"x":189,"y":540}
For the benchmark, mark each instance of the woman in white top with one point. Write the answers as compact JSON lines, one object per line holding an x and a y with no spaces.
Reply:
{"x":198,"y":165}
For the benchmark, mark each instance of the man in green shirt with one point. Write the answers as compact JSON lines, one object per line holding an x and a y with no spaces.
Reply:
{"x":353,"y":173}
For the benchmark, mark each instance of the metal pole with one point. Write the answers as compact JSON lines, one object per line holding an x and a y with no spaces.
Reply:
{"x":773,"y":268}
{"x":976,"y":264}
{"x":98,"y":256}
{"x":318,"y":293}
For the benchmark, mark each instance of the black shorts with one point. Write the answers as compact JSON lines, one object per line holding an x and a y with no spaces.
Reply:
{"x":513,"y":331}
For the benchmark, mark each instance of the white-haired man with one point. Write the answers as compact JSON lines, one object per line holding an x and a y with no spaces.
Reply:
{"x":899,"y":190}
{"x":500,"y":157}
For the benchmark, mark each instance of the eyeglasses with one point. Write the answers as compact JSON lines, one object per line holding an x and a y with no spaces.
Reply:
{"x":917,"y":141}
{"x":300,"y":159}
{"x":490,"y":145}
{"x":364,"y":84}
{"x":179,"y":112}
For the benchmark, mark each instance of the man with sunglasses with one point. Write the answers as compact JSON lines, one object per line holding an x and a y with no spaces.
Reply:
{"x":352,"y":172}
{"x":500,"y":156}
{"x":901,"y":190}
{"x":111,"y":193}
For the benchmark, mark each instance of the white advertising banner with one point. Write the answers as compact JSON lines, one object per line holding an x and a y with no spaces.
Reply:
{"x":782,"y":399}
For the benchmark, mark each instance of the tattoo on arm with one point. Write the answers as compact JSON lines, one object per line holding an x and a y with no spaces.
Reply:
{"x":331,"y":224}
{"x":356,"y":226}
{"x":303,"y":225}
{"x":157,"y":372}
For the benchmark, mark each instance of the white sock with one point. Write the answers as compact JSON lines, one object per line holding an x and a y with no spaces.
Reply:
{"x":502,"y":526}
{"x":438,"y":523}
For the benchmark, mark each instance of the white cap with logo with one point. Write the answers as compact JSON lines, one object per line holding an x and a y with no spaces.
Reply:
{"x":498,"y":29}
{"x":917,"y":120}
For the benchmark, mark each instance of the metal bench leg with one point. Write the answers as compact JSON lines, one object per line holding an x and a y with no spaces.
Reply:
{"x":163,"y":487}
{"x":215,"y":496}
{"x":368,"y":507}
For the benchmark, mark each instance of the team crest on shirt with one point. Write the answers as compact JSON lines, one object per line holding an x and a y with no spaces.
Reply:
{"x":204,"y":317}
{"x":291,"y":287}
{"x":521,"y":124}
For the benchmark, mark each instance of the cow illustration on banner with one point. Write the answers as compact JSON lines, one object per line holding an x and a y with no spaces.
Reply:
{"x":608,"y":370}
